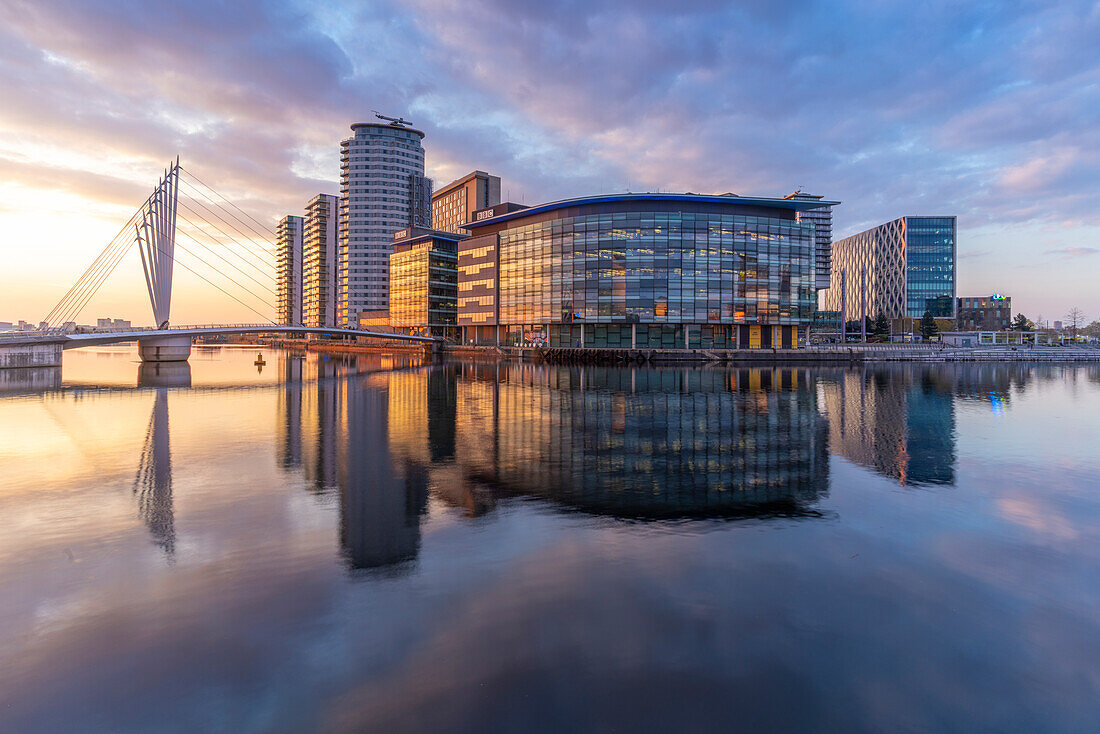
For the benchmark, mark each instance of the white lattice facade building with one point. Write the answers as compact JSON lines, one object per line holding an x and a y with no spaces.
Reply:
{"x":908,"y":265}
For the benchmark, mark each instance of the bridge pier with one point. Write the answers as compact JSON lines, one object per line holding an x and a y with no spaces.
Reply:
{"x":164,"y":348}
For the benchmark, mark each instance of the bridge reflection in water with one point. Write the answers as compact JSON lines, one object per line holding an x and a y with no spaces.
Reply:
{"x":153,"y":482}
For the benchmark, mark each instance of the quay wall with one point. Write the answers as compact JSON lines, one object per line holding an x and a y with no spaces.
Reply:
{"x":812,"y":355}
{"x":807,"y":355}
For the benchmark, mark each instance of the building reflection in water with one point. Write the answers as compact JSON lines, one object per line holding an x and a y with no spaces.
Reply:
{"x":334,"y":426}
{"x":632,"y":443}
{"x":288,"y":407}
{"x":898,"y":420}
{"x":639,"y":443}
{"x":382,"y":497}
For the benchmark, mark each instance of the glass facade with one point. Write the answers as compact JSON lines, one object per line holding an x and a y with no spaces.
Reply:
{"x":424,"y":289}
{"x":930,"y":266}
{"x":658,"y":268}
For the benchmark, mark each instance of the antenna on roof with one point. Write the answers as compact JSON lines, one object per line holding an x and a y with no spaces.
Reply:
{"x":398,"y":121}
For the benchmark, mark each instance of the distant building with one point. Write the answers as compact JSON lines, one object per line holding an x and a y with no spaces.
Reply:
{"x":984,"y":313}
{"x":424,"y":282}
{"x":6,"y":326}
{"x":319,"y":253}
{"x":1057,"y":325}
{"x":910,"y":268}
{"x":822,"y":219}
{"x":112,"y":324}
{"x":288,"y":269}
{"x":455,"y":203}
{"x":382,"y":190}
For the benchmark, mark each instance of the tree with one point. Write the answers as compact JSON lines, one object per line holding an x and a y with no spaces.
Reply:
{"x":1074,"y":319}
{"x":928,"y":328}
{"x":868,"y":327}
{"x":882,"y":325}
{"x":1021,"y":323}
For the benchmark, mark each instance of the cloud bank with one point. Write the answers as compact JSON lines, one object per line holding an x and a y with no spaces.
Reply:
{"x":990,"y":111}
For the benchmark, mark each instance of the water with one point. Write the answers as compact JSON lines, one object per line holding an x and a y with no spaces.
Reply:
{"x":378,"y":544}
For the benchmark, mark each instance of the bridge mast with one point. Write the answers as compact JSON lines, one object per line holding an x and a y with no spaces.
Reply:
{"x":156,"y":238}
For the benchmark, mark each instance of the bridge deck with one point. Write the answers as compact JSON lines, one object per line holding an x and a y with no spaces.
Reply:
{"x":74,"y":341}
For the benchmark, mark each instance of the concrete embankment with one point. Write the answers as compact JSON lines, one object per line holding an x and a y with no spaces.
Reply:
{"x":885,"y":353}
{"x":44,"y":354}
{"x":342,"y":347}
{"x":810,"y":355}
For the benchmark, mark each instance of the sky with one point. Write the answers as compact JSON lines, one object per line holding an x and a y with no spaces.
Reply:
{"x":985,"y":110}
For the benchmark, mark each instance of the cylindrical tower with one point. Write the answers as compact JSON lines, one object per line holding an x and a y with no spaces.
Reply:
{"x":382,"y":190}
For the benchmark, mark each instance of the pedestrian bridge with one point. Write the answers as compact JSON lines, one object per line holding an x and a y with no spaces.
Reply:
{"x":43,"y":348}
{"x":220,"y":231}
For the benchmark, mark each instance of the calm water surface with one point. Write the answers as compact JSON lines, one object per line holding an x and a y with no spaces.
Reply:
{"x":379,"y":544}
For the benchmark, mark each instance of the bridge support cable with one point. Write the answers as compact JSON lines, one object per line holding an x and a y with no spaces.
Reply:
{"x":197,"y":227}
{"x":92,"y":277}
{"x":237,"y":283}
{"x":215,"y":285}
{"x":94,"y":284}
{"x":213,"y":252}
{"x":228,"y":220}
{"x":264,"y":230}
{"x":249,"y":251}
{"x":245,"y":215}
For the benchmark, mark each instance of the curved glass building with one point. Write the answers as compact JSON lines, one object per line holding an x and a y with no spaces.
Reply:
{"x":640,"y":270}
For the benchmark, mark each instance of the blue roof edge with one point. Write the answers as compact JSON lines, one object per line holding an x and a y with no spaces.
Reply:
{"x":795,"y":204}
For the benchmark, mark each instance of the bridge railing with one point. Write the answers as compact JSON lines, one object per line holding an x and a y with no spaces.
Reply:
{"x":271,"y":326}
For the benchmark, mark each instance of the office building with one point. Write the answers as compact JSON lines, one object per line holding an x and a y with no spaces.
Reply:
{"x":288,"y":269}
{"x":453,"y":204}
{"x":319,"y":260}
{"x":984,"y":313}
{"x":382,"y":190}
{"x":640,"y":270}
{"x":424,"y":283}
{"x":822,"y":219}
{"x":905,"y":267}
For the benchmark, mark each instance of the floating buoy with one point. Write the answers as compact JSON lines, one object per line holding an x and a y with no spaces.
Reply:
{"x":259,"y":360}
